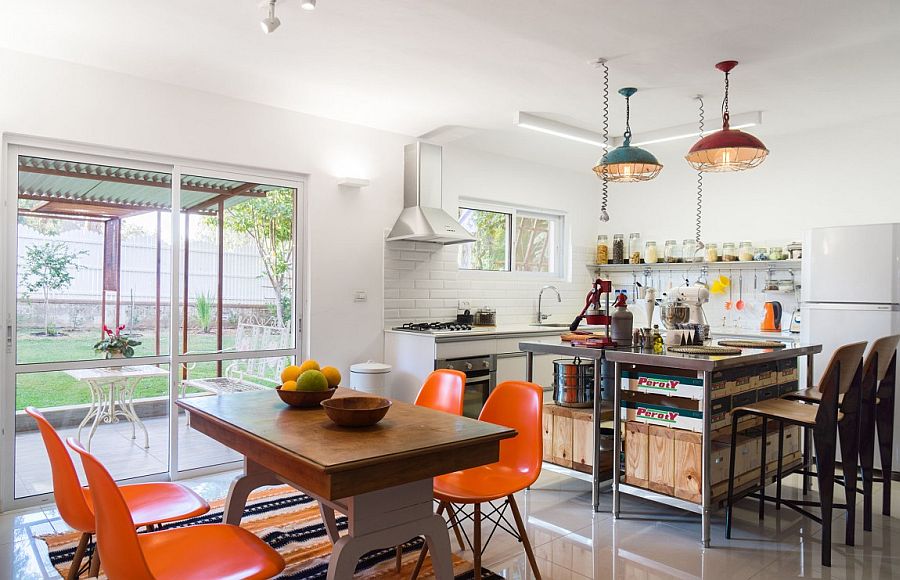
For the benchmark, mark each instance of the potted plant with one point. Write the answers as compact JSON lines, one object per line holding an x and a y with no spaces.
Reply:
{"x":116,"y":344}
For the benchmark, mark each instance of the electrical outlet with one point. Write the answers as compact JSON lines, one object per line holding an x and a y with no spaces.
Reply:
{"x":464,"y":305}
{"x":360,"y":296}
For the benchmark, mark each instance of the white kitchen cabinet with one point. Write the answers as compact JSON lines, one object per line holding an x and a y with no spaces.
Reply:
{"x":511,"y":367}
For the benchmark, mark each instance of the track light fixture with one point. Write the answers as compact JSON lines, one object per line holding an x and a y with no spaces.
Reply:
{"x":270,"y":22}
{"x":308,"y":4}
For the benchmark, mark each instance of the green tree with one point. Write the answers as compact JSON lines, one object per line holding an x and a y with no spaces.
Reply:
{"x":269,"y":222}
{"x":48,"y":268}
{"x":490,"y":247}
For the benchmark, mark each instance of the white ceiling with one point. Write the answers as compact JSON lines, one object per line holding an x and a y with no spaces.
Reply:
{"x":411,"y":66}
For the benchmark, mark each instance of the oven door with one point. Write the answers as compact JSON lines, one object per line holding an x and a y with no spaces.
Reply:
{"x":481,"y":378}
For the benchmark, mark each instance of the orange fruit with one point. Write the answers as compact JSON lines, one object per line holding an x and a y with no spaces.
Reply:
{"x":289,"y":386}
{"x":290,"y":373}
{"x":310,"y":365}
{"x":333,"y":375}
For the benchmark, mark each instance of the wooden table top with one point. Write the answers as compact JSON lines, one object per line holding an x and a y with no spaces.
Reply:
{"x":303,"y":445}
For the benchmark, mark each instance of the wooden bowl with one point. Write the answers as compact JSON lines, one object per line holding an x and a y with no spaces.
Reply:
{"x":356,"y":411}
{"x":305,"y":399}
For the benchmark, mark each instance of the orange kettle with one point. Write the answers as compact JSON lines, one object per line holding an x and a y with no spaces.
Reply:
{"x":771,"y":317}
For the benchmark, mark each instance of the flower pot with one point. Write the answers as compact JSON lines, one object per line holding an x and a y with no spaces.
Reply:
{"x":115,"y":354}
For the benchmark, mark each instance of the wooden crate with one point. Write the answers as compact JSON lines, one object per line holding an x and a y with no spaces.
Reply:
{"x":661,"y":462}
{"x":583,"y":440}
{"x":688,"y":465}
{"x":561,"y":446}
{"x":547,"y":427}
{"x":637,"y":453}
{"x":568,"y":437}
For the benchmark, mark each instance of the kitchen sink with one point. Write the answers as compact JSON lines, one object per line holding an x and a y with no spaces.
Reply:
{"x":552,"y":325}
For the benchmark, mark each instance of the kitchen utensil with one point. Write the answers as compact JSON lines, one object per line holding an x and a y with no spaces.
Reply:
{"x":771,"y":317}
{"x":592,"y":310}
{"x":740,"y":302}
{"x":753,"y":343}
{"x":711,"y":350}
{"x":730,"y":302}
{"x":649,"y":304}
{"x":671,"y":314}
{"x":304,"y":399}
{"x":356,"y":411}
{"x":466,"y":317}
{"x":573,"y":383}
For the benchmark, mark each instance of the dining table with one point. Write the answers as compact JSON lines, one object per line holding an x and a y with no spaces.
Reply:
{"x":379,"y":476}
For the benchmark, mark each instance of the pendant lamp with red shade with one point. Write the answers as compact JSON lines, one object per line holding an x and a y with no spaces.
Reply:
{"x":728,"y":149}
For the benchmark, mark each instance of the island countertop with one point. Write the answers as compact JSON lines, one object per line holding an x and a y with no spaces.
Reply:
{"x":671,"y":359}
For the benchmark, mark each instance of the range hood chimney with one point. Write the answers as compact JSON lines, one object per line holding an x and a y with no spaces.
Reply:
{"x":423,"y":219}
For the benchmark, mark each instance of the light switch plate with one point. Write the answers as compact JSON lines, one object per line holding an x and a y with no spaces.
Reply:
{"x":464,"y":305}
{"x":360,"y":296}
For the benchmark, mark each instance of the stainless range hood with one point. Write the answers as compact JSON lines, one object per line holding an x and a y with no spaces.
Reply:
{"x":422,"y":218}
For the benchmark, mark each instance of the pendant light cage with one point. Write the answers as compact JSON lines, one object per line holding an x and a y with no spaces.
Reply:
{"x":625,"y":163}
{"x":728,"y":149}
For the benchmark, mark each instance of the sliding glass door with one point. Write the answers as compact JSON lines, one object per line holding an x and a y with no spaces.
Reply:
{"x":129,"y":285}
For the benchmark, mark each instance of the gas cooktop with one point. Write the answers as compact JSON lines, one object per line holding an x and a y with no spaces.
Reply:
{"x":433,"y":327}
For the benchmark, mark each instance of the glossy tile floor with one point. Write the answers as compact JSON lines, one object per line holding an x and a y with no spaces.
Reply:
{"x":650,"y":542}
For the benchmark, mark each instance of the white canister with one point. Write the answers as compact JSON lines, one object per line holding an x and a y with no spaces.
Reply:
{"x":370,"y":377}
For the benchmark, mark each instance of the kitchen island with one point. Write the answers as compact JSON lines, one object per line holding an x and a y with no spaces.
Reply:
{"x":674,"y":410}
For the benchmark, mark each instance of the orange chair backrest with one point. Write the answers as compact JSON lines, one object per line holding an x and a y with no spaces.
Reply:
{"x":850,"y":358}
{"x":885,"y":347}
{"x":518,"y":405}
{"x":117,"y":540}
{"x":443,"y":391}
{"x":67,"y":489}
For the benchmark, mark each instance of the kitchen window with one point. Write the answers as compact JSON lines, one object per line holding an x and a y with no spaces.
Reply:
{"x":511,"y":239}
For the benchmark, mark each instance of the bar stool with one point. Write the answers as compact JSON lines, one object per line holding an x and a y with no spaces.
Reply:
{"x":842,"y":380}
{"x":876,"y":413}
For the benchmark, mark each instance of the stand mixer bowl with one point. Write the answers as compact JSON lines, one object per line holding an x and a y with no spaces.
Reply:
{"x":672,"y":315}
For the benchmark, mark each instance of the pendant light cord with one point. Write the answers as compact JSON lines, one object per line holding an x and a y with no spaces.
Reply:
{"x":604,"y":216}
{"x":725,"y":115}
{"x":700,"y":178}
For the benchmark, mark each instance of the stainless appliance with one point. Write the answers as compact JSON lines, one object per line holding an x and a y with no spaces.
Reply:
{"x":423,"y":218}
{"x":481,"y":378}
{"x":573,"y":383}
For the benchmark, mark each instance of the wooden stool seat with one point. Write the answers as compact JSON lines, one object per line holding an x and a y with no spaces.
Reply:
{"x":795,"y":412}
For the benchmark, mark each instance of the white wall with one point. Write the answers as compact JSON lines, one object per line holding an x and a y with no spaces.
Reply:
{"x":60,"y":100}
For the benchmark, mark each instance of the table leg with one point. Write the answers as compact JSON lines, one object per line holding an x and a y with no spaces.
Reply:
{"x":254,"y":476}
{"x":92,"y":410}
{"x":617,"y":440}
{"x":103,"y":408}
{"x":706,"y":443}
{"x":595,"y":471}
{"x":529,"y":366}
{"x":126,"y":398}
{"x":807,"y":433}
{"x":330,"y":522}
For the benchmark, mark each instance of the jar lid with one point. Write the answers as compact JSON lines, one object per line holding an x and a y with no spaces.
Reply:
{"x":371,"y":368}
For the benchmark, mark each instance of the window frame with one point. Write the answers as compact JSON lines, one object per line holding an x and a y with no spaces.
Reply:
{"x":561,"y":237}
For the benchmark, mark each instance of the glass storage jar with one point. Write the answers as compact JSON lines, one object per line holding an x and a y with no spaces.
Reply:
{"x":712,"y":253}
{"x":761,"y":254}
{"x":729,"y":254}
{"x":672,"y":252}
{"x":745,"y":252}
{"x":618,"y":249}
{"x":602,"y":249}
{"x":634,"y":248}
{"x":776,"y":253}
{"x":689,"y":251}
{"x":651,"y":253}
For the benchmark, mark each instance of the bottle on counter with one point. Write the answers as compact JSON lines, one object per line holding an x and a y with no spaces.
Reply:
{"x":603,"y":249}
{"x":657,"y":340}
{"x":618,"y":249}
{"x":622,"y":321}
{"x":745,"y":252}
{"x":651,"y":253}
{"x":729,"y":254}
{"x":689,"y":251}
{"x":634,"y":248}
{"x":672,"y":252}
{"x":712,"y":253}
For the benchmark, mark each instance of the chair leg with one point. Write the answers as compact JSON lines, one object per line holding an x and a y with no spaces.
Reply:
{"x":807,"y":459}
{"x":884,"y":421}
{"x":477,"y":543}
{"x":454,"y":523}
{"x":521,"y":525}
{"x":825,"y":447}
{"x":779,"y":472}
{"x":730,"y":498}
{"x":79,"y":556}
{"x":867,"y":458}
{"x":95,"y":563}
{"x":762,"y":468}
{"x":849,"y":437}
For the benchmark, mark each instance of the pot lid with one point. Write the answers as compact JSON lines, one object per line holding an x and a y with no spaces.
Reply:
{"x":371,"y":368}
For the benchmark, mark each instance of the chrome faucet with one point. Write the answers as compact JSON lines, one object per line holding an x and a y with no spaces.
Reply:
{"x":540,"y":316}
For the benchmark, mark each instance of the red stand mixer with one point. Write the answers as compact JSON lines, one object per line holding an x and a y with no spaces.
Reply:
{"x":594,"y":315}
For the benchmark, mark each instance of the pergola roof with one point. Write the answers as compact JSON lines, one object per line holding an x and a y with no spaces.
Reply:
{"x":50,"y":187}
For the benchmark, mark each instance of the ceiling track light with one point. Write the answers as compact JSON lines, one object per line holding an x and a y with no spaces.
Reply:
{"x":308,"y":4}
{"x":627,"y":162}
{"x":271,"y":22}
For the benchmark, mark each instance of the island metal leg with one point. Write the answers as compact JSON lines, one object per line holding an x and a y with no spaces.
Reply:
{"x":617,"y":439}
{"x":807,"y":433}
{"x":595,"y":472}
{"x":706,"y":479}
{"x":529,"y":366}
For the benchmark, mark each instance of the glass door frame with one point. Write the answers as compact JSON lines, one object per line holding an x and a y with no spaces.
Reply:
{"x":14,"y":145}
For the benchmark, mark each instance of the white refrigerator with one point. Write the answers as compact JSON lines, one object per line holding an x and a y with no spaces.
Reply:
{"x":850,"y":291}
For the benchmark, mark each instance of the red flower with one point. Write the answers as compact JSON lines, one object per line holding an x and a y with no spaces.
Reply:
{"x":107,"y":330}
{"x":122,"y":327}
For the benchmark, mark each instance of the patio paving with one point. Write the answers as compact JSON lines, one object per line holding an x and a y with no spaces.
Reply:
{"x":124,"y":457}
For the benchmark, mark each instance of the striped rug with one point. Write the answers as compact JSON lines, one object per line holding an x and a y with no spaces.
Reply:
{"x":289,"y":522}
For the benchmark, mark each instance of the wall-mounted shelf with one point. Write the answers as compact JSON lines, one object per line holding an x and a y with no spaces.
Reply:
{"x":761,"y":265}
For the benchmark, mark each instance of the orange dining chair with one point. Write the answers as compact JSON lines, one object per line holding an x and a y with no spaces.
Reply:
{"x":192,"y":552}
{"x":148,"y":503}
{"x":443,"y":390}
{"x":514,"y":404}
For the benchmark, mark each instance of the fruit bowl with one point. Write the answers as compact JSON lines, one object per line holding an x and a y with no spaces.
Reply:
{"x":304,"y":399}
{"x":356,"y":411}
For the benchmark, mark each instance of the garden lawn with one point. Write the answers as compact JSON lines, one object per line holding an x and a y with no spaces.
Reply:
{"x":54,"y":389}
